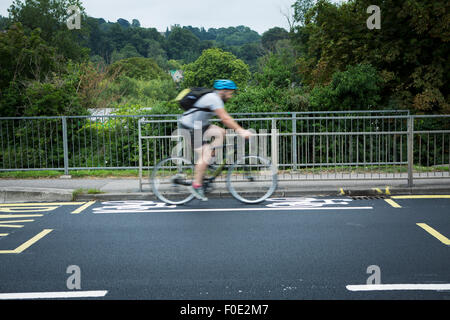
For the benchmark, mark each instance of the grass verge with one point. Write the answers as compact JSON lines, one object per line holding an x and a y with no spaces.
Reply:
{"x":81,"y":191}
{"x":131,"y":173}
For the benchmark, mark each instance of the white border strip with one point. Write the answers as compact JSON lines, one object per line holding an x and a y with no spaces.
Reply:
{"x":100,"y":210}
{"x":383,"y":287}
{"x":53,"y":295}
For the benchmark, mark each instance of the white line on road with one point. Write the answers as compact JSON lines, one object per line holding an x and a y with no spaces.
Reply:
{"x":383,"y":287}
{"x":101,"y":210}
{"x":53,"y":295}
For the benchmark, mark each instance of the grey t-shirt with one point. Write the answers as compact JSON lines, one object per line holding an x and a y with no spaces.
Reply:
{"x":200,"y":118}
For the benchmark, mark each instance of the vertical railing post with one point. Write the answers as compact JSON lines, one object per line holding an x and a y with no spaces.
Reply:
{"x":410,"y":150}
{"x":274,"y":151}
{"x":65,"y":146}
{"x":140,"y":155}
{"x":294,"y":141}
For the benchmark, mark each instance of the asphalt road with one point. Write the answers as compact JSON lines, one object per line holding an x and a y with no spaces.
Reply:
{"x":284,"y":249}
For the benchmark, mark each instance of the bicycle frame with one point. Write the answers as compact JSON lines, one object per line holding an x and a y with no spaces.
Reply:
{"x":209,"y":180}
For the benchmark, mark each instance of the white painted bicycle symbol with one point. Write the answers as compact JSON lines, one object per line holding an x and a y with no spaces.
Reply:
{"x":305,"y":202}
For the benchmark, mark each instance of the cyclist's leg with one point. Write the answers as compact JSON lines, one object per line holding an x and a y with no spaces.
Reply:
{"x":205,"y":152}
{"x":217,"y":133}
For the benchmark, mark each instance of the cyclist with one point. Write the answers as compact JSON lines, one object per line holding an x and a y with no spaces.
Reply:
{"x":198,"y":117}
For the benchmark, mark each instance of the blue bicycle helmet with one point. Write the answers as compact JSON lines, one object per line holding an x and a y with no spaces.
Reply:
{"x":225,"y":84}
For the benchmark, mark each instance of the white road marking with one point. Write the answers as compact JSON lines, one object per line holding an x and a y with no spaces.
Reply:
{"x":101,"y":210}
{"x":53,"y":295}
{"x":386,"y":287}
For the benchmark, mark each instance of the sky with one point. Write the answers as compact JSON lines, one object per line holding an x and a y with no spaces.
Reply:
{"x":259,"y":15}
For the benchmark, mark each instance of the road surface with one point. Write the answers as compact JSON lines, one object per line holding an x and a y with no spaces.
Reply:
{"x":284,"y":249}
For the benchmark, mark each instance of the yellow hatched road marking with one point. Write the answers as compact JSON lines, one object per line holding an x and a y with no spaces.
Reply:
{"x":28,"y":243}
{"x":27,"y":209}
{"x":434,"y":233}
{"x":7,"y":216}
{"x":10,"y":226}
{"x":41,"y":204}
{"x":83,"y":207}
{"x":16,"y":221}
{"x":393,"y":203}
{"x":431,"y":196}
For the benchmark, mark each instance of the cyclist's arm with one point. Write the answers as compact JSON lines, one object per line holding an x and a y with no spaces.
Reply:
{"x":229,"y":121}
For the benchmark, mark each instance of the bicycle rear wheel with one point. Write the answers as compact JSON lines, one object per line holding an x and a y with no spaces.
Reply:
{"x":171,"y":179}
{"x":252,"y":179}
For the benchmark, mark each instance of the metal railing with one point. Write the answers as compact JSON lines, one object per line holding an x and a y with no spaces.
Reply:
{"x":311,"y":145}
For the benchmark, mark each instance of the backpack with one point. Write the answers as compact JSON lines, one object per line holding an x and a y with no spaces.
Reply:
{"x":188,"y":97}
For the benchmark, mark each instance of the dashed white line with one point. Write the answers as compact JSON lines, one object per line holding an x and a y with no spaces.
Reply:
{"x":53,"y":295}
{"x":386,"y":287}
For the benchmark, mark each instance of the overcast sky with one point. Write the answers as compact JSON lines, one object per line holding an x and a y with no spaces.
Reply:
{"x":259,"y":15}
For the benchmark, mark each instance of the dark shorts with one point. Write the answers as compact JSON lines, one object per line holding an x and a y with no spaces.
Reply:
{"x":191,"y":132}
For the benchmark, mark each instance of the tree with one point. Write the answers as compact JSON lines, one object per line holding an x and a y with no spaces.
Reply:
{"x":357,"y":88}
{"x":236,"y":36}
{"x":25,"y":57}
{"x":216,"y":64}
{"x":274,"y":73}
{"x":126,"y":52}
{"x":278,"y":67}
{"x":272,"y":36}
{"x":301,"y":9}
{"x":250,"y":53}
{"x":123,"y":23}
{"x":138,"y":68}
{"x":50,"y":16}
{"x":410,"y":51}
{"x":135,"y":23}
{"x":182,"y":44}
{"x":35,"y":80}
{"x":4,"y":23}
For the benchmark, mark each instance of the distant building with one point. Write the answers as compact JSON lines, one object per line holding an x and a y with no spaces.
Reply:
{"x":177,"y":75}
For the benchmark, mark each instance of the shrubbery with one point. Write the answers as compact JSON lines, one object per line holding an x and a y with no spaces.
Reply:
{"x":357,"y":88}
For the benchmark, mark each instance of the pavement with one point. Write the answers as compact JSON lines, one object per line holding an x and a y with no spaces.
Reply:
{"x":57,"y":189}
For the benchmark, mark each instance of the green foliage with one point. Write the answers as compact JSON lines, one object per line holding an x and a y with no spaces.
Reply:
{"x":267,"y":99}
{"x":277,"y":68}
{"x":182,"y":45}
{"x":139,"y":68}
{"x":50,"y":16}
{"x":25,"y":57}
{"x":270,"y":38}
{"x":4,"y":23}
{"x":236,"y":36}
{"x":410,"y":50}
{"x":52,"y":98}
{"x":27,"y":62}
{"x":357,"y":88}
{"x":275,"y":73}
{"x":129,"y":51}
{"x":216,"y":64}
{"x":108,"y":40}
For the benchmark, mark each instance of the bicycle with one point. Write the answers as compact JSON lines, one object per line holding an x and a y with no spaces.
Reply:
{"x":252,"y":179}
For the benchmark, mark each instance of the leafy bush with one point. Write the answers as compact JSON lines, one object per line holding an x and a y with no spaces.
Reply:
{"x":268,"y":99}
{"x":216,"y":64}
{"x":139,"y":68}
{"x":142,"y":92}
{"x":357,"y":88}
{"x":58,"y":97}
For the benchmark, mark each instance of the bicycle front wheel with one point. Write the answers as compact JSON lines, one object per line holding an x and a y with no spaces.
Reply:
{"x":252,"y":179}
{"x":171,"y":179}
